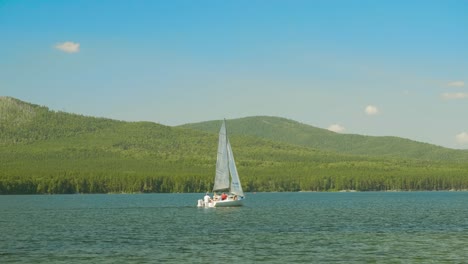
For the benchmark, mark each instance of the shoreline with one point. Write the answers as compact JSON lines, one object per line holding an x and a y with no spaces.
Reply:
{"x":250,"y":193}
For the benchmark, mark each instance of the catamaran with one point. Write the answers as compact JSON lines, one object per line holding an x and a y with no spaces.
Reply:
{"x":227,"y":179}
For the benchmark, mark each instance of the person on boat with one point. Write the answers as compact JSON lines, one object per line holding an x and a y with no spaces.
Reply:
{"x":223,"y":196}
{"x":215,"y":196}
{"x":207,"y":198}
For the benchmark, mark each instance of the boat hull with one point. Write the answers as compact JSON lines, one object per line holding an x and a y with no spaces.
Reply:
{"x":228,"y":203}
{"x":225,"y":203}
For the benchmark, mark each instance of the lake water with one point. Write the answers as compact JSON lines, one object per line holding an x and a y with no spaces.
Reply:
{"x":407,"y":227}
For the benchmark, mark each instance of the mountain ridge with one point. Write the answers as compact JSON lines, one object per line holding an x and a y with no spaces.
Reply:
{"x":15,"y":113}
{"x":293,"y":132}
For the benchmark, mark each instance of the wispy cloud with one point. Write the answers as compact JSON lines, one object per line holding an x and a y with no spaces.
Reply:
{"x":371,"y":110}
{"x":452,"y":96}
{"x":336,"y":128}
{"x":462,"y":138}
{"x":456,"y":84}
{"x":68,"y":47}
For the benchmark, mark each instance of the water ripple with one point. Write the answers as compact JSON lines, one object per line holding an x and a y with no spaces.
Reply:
{"x":425,"y":227}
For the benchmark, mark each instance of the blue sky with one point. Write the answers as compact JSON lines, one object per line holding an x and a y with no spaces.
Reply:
{"x":381,"y":68}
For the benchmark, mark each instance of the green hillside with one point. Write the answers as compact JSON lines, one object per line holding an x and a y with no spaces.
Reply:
{"x":292,"y":132}
{"x":44,"y":151}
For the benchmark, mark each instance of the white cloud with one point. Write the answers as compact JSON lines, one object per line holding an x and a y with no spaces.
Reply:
{"x":68,"y":47}
{"x":456,"y":84}
{"x":450,"y":96}
{"x":371,"y":110}
{"x":462,"y":138}
{"x":336,"y":128}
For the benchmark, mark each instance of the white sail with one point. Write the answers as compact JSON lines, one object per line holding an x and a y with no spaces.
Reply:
{"x":222,"y":167}
{"x":236,"y":187}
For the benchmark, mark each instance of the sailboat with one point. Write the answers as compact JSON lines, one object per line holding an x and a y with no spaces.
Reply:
{"x":226,"y":179}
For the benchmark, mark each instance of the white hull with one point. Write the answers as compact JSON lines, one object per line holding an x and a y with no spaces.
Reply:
{"x":228,"y":203}
{"x":225,"y":203}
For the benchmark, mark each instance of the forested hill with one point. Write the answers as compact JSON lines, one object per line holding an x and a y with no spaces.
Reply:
{"x":292,"y":132}
{"x":22,"y":122}
{"x":44,"y":151}
{"x":27,"y":126}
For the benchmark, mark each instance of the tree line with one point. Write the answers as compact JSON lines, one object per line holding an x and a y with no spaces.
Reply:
{"x":276,"y":178}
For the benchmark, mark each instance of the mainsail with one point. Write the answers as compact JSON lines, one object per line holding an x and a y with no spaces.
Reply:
{"x":222,"y":162}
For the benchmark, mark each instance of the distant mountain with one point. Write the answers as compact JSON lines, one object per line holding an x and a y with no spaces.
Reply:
{"x":292,"y":132}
